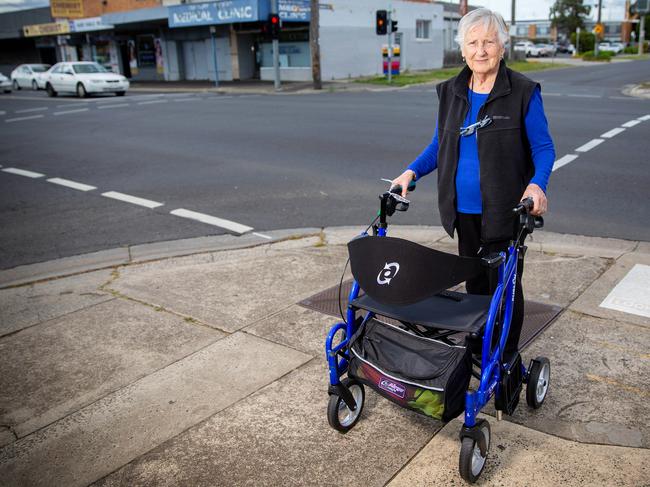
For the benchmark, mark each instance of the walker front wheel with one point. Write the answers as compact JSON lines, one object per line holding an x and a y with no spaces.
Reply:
{"x":539,"y":379}
{"x":472,"y":461}
{"x":339,"y":415}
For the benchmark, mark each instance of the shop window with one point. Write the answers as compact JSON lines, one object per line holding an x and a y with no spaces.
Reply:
{"x":146,"y":51}
{"x":422,"y":29}
{"x":292,"y":55}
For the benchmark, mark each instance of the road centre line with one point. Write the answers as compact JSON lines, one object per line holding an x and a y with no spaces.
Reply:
{"x":23,"y":172}
{"x":127,"y":198}
{"x":27,"y":110}
{"x":563,"y":161}
{"x":71,"y":184}
{"x":212,"y":220}
{"x":77,"y":110}
{"x":20,"y":119}
{"x":644,"y":118}
{"x":590,"y":145}
{"x":68,"y":106}
{"x":631,"y":123}
{"x":613,"y":132}
{"x":577,"y":95}
{"x":151,"y":101}
{"x":187,"y":99}
{"x":119,"y":105}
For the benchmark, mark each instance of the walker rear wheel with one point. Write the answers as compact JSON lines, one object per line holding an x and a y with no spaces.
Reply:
{"x":471,"y":462}
{"x":538,"y":381}
{"x":339,"y":415}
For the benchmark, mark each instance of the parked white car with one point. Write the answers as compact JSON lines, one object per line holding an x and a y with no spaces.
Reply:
{"x":546,"y":49}
{"x":529,"y":48}
{"x":5,"y":83}
{"x":614,"y":47}
{"x":84,"y":78}
{"x":29,"y":76}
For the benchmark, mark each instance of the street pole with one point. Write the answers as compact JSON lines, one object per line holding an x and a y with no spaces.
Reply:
{"x":390,"y":47}
{"x":577,"y":41}
{"x":600,"y":5}
{"x":315,"y":44}
{"x":642,"y":30}
{"x":511,"y":53}
{"x":213,"y":34}
{"x":276,"y":52}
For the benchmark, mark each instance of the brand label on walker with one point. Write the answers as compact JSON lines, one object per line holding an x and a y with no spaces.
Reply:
{"x":387,"y":273}
{"x":392,"y":387}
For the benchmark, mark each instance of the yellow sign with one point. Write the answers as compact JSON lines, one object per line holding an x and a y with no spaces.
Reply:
{"x":51,"y":29}
{"x":599,"y":29}
{"x":67,"y":8}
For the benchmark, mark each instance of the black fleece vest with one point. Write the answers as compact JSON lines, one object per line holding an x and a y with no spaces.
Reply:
{"x":506,"y":165}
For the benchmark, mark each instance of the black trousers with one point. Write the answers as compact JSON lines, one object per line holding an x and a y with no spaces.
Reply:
{"x":470,"y":245}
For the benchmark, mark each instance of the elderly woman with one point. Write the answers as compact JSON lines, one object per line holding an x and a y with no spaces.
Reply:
{"x":492,"y":148}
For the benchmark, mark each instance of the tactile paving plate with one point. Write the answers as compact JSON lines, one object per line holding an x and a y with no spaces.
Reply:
{"x":537,"y":316}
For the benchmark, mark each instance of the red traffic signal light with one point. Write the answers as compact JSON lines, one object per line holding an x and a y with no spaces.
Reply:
{"x":381,"y":23}
{"x":274,"y":26}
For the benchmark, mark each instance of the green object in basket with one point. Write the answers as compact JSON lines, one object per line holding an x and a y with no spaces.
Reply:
{"x":428,"y":402}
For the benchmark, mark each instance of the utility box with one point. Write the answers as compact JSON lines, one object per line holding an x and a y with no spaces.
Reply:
{"x":395,"y":61}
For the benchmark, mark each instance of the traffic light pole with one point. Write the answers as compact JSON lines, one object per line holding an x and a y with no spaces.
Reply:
{"x":276,"y":51}
{"x":390,"y":46}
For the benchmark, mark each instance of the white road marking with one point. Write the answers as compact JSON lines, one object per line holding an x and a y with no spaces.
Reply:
{"x":20,"y":119}
{"x":631,"y":123}
{"x":186,"y":99}
{"x":132,"y":199}
{"x":27,"y":110}
{"x":65,"y":112}
{"x":119,"y":105}
{"x":632,"y":293}
{"x":613,"y":132}
{"x":644,"y":118}
{"x":151,"y":101}
{"x":68,"y":105}
{"x":2,"y":112}
{"x":23,"y":172}
{"x":212,"y":220}
{"x":589,"y":145}
{"x":262,"y":235}
{"x":71,"y":184}
{"x":563,"y":161}
{"x":553,"y":94}
{"x":576,"y":95}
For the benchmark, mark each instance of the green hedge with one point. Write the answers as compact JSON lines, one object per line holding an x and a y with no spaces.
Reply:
{"x":587,"y":40}
{"x":635,"y":49}
{"x":605,"y":56}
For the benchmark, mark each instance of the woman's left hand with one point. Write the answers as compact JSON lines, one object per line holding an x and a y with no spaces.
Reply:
{"x":539,"y":199}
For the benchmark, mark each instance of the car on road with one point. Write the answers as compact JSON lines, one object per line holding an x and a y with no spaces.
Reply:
{"x":530,"y":49}
{"x":29,"y":76}
{"x":615,"y":47}
{"x":546,"y":50}
{"x":84,"y":79}
{"x":5,"y":84}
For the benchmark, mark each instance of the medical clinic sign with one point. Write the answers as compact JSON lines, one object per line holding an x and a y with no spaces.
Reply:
{"x":212,"y":13}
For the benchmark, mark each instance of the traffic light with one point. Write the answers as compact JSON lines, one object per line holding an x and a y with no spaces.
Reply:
{"x":381,"y":25}
{"x":274,"y":26}
{"x":394,"y":26}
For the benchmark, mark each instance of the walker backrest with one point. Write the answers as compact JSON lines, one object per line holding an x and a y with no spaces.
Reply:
{"x":396,"y":271}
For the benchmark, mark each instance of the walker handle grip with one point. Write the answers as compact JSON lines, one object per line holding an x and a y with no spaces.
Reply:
{"x":524,"y":207}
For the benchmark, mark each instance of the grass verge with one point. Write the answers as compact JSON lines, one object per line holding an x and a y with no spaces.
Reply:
{"x":408,"y":78}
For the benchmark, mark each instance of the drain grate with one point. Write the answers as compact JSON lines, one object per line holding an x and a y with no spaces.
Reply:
{"x":537,"y":316}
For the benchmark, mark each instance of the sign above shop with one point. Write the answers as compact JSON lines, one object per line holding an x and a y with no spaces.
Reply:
{"x":89,"y":24}
{"x":51,"y":29}
{"x":212,"y":13}
{"x":67,"y":8}
{"x":294,"y":10}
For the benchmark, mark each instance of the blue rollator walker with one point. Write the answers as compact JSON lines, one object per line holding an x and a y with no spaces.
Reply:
{"x":414,"y":341}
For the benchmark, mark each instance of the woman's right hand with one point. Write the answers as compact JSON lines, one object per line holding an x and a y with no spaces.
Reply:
{"x":404,"y":180}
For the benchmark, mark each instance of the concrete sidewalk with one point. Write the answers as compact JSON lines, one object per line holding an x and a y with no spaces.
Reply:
{"x":190,"y":363}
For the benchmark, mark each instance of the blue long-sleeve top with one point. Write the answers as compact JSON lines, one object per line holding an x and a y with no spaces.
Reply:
{"x":468,"y":189}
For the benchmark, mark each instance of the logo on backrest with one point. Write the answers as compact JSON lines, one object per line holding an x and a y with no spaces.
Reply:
{"x":387,"y":273}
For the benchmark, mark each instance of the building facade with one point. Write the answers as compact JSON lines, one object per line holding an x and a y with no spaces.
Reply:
{"x":172,"y":40}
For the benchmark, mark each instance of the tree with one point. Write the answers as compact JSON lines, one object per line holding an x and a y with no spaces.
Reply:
{"x":568,"y":15}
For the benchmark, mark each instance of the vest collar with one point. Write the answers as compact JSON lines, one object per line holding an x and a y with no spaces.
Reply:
{"x":501,"y":86}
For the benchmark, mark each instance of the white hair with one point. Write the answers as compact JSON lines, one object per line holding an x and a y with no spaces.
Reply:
{"x":486,"y":17}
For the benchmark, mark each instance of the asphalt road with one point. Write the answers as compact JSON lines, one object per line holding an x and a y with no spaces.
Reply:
{"x":286,"y":161}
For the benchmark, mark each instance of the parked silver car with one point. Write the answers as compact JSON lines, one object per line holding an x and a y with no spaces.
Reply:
{"x":29,"y":76}
{"x":5,"y":83}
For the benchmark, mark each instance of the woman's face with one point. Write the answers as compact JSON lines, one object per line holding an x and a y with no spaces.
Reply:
{"x":482,"y":50}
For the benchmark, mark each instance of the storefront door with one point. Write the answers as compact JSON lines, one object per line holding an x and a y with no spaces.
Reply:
{"x":195,"y":58}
